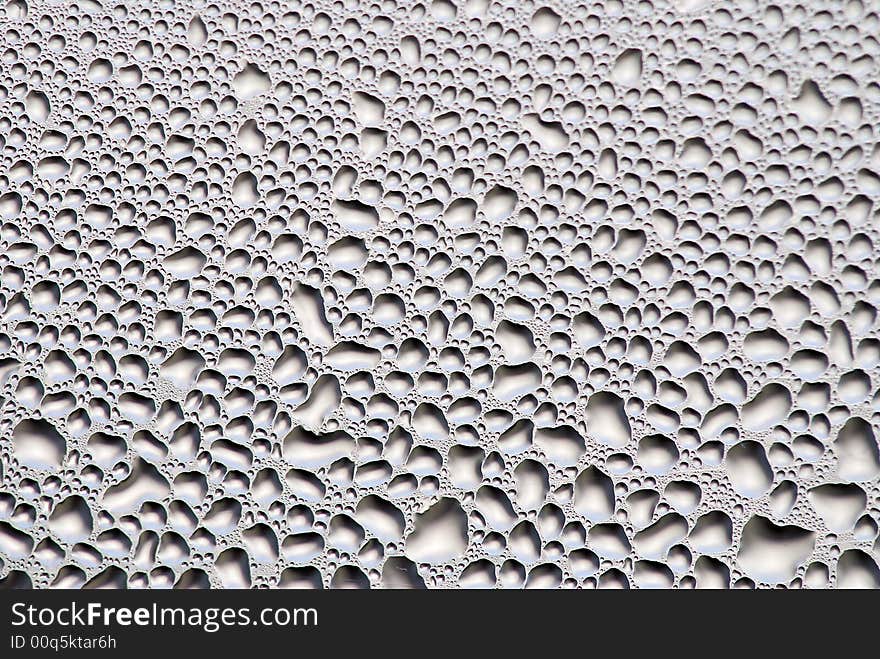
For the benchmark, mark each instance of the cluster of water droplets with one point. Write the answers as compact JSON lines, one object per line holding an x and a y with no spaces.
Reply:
{"x":469,"y":293}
